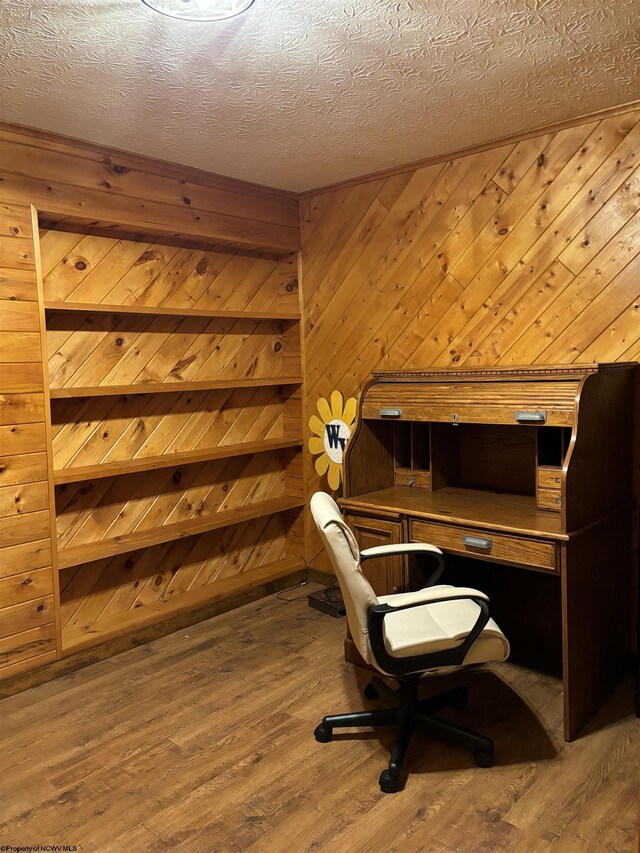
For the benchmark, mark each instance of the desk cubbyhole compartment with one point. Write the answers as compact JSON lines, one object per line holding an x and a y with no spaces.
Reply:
{"x":420,"y":446}
{"x":487,"y":457}
{"x":412,"y":454}
{"x":402,"y":444}
{"x":553,"y":443}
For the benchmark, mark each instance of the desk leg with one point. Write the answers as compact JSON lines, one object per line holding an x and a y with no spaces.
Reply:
{"x":596,"y":594}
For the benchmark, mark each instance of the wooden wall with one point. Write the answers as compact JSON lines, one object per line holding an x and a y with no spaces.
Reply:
{"x":27,"y":603}
{"x":80,"y":183}
{"x":107,"y":231}
{"x":527,"y":252}
{"x":89,"y":433}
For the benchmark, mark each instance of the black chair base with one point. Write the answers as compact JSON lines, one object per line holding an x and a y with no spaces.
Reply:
{"x":409,"y":713}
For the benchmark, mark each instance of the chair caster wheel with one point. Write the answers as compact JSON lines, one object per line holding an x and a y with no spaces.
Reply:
{"x":460,"y":699}
{"x":483,"y":757}
{"x":370,"y":692}
{"x":388,"y":784}
{"x":322,"y":734}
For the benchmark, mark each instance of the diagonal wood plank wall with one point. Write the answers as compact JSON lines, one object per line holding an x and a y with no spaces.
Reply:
{"x":85,"y":348}
{"x":524,"y":252}
{"x":527,"y":252}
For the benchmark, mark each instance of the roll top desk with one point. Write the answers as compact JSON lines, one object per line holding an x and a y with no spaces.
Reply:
{"x":523,"y":477}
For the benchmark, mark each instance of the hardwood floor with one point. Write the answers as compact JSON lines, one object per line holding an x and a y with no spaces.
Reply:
{"x":202,"y":740}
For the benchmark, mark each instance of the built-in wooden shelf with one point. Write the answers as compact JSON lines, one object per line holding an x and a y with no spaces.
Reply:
{"x":77,"y":637}
{"x":93,"y":308}
{"x":111,"y":547}
{"x":169,"y":387}
{"x":170,"y":460}
{"x":228,"y":368}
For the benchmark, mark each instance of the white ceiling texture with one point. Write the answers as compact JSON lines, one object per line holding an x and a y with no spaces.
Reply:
{"x":303,"y":93}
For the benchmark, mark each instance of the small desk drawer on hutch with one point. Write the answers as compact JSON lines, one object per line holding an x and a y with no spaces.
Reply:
{"x":412,"y":477}
{"x":473,"y":542}
{"x":550,"y":499}
{"x":549,"y":478}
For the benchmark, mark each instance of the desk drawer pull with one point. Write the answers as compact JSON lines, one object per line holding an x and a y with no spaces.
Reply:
{"x":531,"y":417}
{"x":484,"y":544}
{"x":390,"y":413}
{"x":477,"y":542}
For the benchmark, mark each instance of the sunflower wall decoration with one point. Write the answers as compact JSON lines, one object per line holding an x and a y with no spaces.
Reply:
{"x":331,"y":432}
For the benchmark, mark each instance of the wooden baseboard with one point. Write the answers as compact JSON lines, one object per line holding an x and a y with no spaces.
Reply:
{"x":138,"y":636}
{"x":326,"y":578}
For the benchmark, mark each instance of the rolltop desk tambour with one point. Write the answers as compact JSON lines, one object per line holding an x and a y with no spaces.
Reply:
{"x":523,"y":477}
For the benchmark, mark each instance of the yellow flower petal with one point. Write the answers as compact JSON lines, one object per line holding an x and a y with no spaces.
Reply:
{"x":350,"y":409}
{"x":325,"y":410}
{"x":321,"y":464}
{"x":316,"y":425}
{"x":337,"y":404}
{"x":333,"y":477}
{"x":316,"y":445}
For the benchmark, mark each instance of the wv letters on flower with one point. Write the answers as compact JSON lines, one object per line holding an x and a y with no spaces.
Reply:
{"x":331,"y":429}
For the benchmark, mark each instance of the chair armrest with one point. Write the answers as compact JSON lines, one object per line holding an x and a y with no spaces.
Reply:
{"x":401,"y":548}
{"x":420,"y":663}
{"x":428,"y":595}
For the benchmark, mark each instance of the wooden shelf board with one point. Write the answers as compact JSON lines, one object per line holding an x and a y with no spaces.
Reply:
{"x":169,"y":387}
{"x":116,"y":626}
{"x":111,"y":547}
{"x":170,"y":460}
{"x":473,"y":507}
{"x":141,"y":310}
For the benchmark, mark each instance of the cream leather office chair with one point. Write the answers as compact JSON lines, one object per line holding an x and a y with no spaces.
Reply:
{"x":405,"y":636}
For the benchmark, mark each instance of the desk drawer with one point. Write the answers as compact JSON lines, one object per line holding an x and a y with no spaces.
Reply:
{"x":549,"y":478}
{"x":415,"y":477}
{"x":485,"y":544}
{"x":550,"y":499}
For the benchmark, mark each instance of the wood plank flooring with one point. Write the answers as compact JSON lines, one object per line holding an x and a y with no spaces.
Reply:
{"x":202,"y":740}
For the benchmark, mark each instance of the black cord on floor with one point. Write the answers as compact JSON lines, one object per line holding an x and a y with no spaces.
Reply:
{"x":304,"y":582}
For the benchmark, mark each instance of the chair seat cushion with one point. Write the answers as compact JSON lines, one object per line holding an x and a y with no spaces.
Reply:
{"x":434,"y":627}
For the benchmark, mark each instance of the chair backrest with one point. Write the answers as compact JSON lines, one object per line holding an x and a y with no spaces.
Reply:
{"x":343,"y":550}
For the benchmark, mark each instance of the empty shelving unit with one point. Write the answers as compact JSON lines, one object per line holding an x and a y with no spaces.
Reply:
{"x":173,"y":407}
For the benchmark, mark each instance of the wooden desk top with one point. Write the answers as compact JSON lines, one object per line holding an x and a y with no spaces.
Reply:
{"x":472,"y":507}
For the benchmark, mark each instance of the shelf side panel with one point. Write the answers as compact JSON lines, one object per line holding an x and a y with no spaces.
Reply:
{"x":27,"y":558}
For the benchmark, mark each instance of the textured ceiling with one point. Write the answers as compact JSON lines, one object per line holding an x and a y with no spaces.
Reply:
{"x":303,"y":93}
